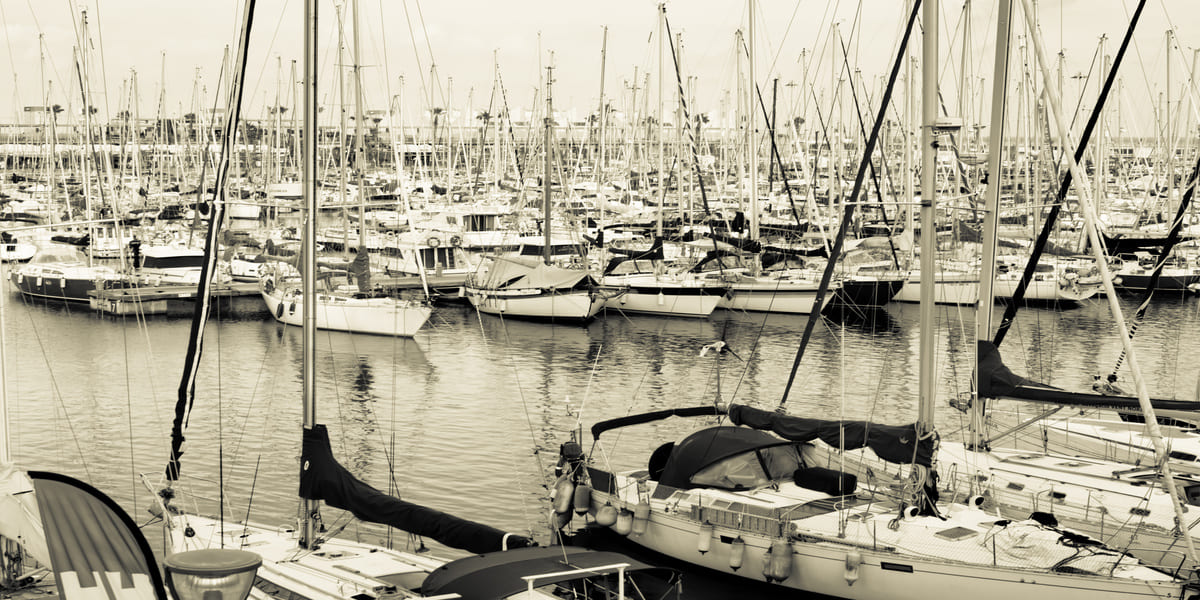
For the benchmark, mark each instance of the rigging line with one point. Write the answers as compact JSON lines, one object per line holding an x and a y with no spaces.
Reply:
{"x":66,"y":415}
{"x":1164,"y":253}
{"x":1010,"y":312}
{"x":874,"y":175}
{"x":187,"y":386}
{"x":791,"y":21}
{"x":827,"y":275}
{"x":416,"y":53}
{"x":129,"y":412}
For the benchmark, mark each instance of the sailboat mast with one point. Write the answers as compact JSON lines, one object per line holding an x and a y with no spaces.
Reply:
{"x":662,"y":178}
{"x":991,"y":211}
{"x":752,"y":91}
{"x":308,"y":254}
{"x":546,"y":174}
{"x":358,"y":134}
{"x":929,"y":112}
{"x":600,"y":201}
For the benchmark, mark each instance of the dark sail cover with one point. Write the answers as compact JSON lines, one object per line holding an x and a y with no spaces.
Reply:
{"x":997,"y":381}
{"x":893,"y":443}
{"x":323,"y":478}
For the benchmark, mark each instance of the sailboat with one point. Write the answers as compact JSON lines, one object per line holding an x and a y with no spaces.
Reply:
{"x":306,"y":561}
{"x":744,"y":498}
{"x":531,"y":287}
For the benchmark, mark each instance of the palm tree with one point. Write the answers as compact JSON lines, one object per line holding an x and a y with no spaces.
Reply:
{"x":436,"y":112}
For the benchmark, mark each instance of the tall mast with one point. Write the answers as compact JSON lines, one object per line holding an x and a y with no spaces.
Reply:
{"x":546,"y":174}
{"x":750,"y":120}
{"x":343,"y":152}
{"x":983,"y":317}
{"x":1101,"y":171}
{"x":1170,"y":138}
{"x":308,"y":254}
{"x":662,"y":181}
{"x":359,"y":165}
{"x":929,"y":112}
{"x":600,"y":201}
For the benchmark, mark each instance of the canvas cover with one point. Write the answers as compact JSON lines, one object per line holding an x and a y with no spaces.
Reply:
{"x":893,"y":443}
{"x":323,"y":478}
{"x":498,"y":574}
{"x":515,"y":273}
{"x":997,"y":381}
{"x":708,"y":447}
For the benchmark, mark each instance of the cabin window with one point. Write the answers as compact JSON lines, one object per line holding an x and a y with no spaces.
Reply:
{"x":750,"y":469}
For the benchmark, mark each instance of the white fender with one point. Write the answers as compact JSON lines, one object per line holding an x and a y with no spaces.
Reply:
{"x":606,"y":516}
{"x":737,"y":553}
{"x":564,"y":494}
{"x":624,"y":524}
{"x":641,"y":515}
{"x":704,"y":538}
{"x":583,"y":499}
{"x":853,"y":562}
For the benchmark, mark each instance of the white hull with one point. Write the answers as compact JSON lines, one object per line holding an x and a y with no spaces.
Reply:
{"x":571,"y":305}
{"x":238,"y":210}
{"x":947,"y":289}
{"x":956,"y":289}
{"x":378,"y":316}
{"x":910,"y":562}
{"x":778,"y":296}
{"x":650,"y":295}
{"x":1048,"y":290}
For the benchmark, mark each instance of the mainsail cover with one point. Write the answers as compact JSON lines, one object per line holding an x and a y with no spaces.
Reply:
{"x":323,"y":478}
{"x":893,"y":443}
{"x":96,"y":550}
{"x":998,"y":381}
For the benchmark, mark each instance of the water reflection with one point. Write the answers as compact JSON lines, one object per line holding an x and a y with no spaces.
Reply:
{"x":468,"y":415}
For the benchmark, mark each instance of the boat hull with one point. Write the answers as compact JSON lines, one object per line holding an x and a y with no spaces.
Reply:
{"x":862,"y":291}
{"x":823,"y":565}
{"x":662,"y":298}
{"x":773,"y":296}
{"x":65,"y":284}
{"x":570,"y":306}
{"x":376,"y":316}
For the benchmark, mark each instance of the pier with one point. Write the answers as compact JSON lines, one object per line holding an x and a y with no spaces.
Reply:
{"x":240,"y":298}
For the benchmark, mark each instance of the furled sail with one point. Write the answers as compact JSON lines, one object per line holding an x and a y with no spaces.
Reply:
{"x":323,"y":478}
{"x":997,"y":381}
{"x":893,"y":443}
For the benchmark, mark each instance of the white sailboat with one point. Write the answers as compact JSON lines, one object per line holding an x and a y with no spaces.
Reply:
{"x":739,"y":500}
{"x":530,"y":287}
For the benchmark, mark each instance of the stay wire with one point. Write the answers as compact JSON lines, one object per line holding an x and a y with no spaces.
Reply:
{"x":835,"y":252}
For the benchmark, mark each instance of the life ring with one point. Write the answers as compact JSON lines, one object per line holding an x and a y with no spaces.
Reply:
{"x":269,"y":284}
{"x":433,"y":242}
{"x":455,"y":240}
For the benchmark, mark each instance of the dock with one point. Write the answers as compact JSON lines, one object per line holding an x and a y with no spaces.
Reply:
{"x":237,"y":297}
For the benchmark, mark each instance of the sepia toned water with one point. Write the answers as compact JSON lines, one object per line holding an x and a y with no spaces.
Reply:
{"x":467,"y":417}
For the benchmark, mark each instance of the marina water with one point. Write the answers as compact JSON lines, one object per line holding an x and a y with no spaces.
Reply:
{"x":467,"y":417}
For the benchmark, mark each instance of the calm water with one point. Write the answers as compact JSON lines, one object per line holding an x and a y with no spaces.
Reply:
{"x":468,"y":416}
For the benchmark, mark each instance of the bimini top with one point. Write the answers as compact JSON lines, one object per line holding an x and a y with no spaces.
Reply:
{"x":499,"y":574}
{"x":723,"y":457}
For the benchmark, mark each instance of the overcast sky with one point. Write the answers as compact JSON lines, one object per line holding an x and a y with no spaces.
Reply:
{"x":403,"y":38}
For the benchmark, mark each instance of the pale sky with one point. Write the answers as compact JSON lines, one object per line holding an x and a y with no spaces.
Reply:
{"x":404,"y":37}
